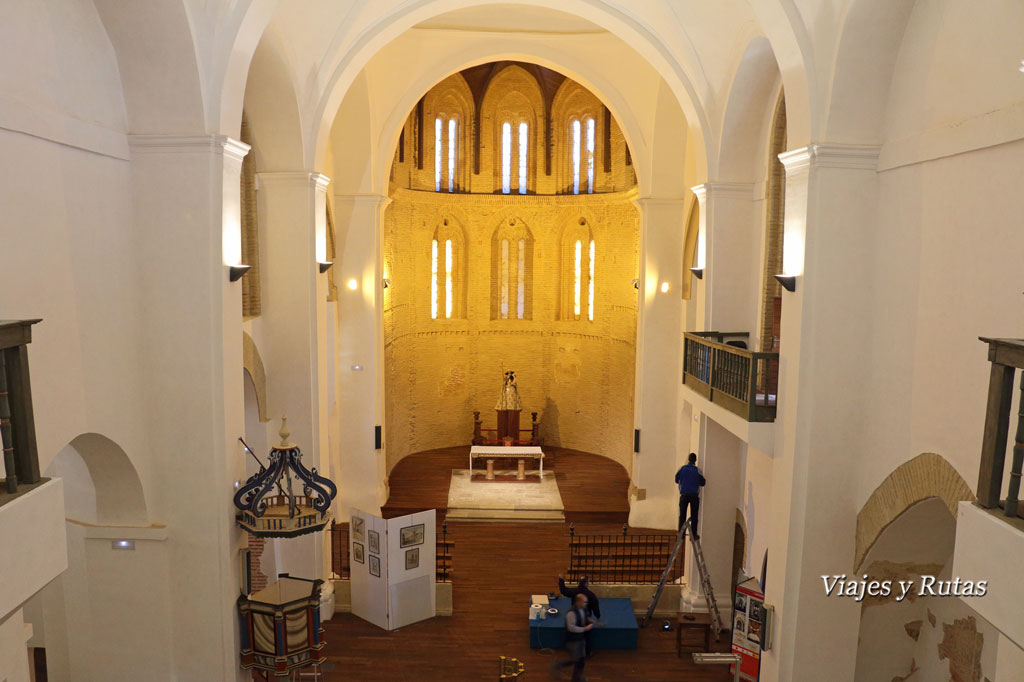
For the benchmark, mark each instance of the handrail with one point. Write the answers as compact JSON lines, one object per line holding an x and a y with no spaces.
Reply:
{"x":637,"y":559}
{"x":1006,"y":356}
{"x":745,"y":382}
{"x":17,"y":422}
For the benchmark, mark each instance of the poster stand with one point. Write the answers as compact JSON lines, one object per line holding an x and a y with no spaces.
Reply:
{"x":393,"y":568}
{"x":749,"y":629}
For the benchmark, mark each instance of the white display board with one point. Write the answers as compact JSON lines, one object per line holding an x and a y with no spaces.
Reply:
{"x":369,"y":568}
{"x":393,"y":567}
{"x":412,"y":548}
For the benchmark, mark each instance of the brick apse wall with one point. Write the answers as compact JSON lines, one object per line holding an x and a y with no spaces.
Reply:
{"x":576,"y":372}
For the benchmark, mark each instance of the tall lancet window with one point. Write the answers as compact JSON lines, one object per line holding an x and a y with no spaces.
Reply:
{"x":512,"y":272}
{"x":447,"y":282}
{"x":579,"y":258}
{"x":524,"y":134}
{"x":452,"y":148}
{"x":506,"y":158}
{"x":446,"y":152}
{"x":437,"y":153}
{"x":590,"y":158}
{"x":582,"y":146}
{"x":433,"y":281}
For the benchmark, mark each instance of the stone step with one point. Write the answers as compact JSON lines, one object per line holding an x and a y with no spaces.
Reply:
{"x":549,"y":515}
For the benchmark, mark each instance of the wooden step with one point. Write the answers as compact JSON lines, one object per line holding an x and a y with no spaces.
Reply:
{"x":543,"y":515}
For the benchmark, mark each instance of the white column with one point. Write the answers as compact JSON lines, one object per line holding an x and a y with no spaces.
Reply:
{"x":187,"y":212}
{"x":729,"y":244}
{"x":659,"y":362}
{"x":359,"y":354}
{"x":831,"y":198}
{"x":294,"y":332}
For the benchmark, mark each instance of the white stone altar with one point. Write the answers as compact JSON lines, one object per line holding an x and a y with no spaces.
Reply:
{"x":510,"y":452}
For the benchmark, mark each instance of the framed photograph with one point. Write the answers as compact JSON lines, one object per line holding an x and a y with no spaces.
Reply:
{"x":412,"y":558}
{"x":375,"y":565}
{"x":357,"y":528}
{"x":357,"y":553}
{"x":741,"y":602}
{"x":411,"y":535}
{"x":373,"y":540}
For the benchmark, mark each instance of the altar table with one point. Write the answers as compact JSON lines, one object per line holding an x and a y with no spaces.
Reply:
{"x":511,"y":452}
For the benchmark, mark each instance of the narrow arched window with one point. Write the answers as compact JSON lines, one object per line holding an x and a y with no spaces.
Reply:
{"x":524,"y":134}
{"x":433,"y":281}
{"x":521,"y":281}
{"x":446,"y":153}
{"x":578,"y":279}
{"x":590,"y":157}
{"x":506,"y":158}
{"x":511,"y":271}
{"x":452,"y":150}
{"x":437,"y":153}
{"x":590,"y":286}
{"x":576,"y":156}
{"x":504,"y":279}
{"x":448,"y":278}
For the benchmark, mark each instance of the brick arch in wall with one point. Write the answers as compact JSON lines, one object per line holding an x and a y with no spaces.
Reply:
{"x":573,"y":102}
{"x":451,"y":98}
{"x":513,"y":95}
{"x":926,"y":476}
{"x":252,"y":364}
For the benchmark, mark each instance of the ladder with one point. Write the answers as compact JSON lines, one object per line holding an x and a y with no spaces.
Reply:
{"x":702,"y":572}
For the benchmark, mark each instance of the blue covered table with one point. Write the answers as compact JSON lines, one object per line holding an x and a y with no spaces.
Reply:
{"x":618,"y":632}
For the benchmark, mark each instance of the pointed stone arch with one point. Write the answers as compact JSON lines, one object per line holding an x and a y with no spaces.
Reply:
{"x":925,"y":476}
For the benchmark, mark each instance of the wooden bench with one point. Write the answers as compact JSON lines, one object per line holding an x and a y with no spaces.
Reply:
{"x":691,"y":622}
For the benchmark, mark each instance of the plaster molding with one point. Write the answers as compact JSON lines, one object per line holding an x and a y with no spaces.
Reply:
{"x":844,"y":156}
{"x":730,"y":190}
{"x":93,"y":531}
{"x":300,"y":179}
{"x":188,"y":144}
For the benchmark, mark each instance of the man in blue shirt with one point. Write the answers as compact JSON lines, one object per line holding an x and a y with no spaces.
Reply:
{"x":690,"y":481}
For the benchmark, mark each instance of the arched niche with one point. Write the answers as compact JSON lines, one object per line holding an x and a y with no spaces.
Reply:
{"x":926,"y":476}
{"x":101,"y":486}
{"x":450,"y":101}
{"x":513,"y":98}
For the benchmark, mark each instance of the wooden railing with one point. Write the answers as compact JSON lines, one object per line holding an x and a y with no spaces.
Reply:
{"x":1006,"y":356}
{"x":17,"y":423}
{"x":742,"y":381}
{"x":341,"y":561}
{"x":491,"y":437}
{"x":637,"y":559}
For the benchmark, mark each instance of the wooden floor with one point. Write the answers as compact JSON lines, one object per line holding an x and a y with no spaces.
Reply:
{"x":496,"y":567}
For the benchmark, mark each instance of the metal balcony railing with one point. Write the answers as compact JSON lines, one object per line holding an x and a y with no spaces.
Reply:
{"x":637,"y":559}
{"x":1006,"y":356}
{"x":742,"y":381}
{"x":17,"y":423}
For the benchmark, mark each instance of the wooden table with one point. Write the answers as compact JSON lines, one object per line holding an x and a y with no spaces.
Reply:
{"x":701,"y":621}
{"x":519,"y":452}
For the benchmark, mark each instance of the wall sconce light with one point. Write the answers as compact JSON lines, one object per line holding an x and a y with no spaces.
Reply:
{"x":788,"y":282}
{"x":122,"y":544}
{"x":698,"y":272}
{"x":636,"y":284}
{"x":387,"y":282}
{"x":324,"y":265}
{"x":353,"y":285}
{"x":664,"y":287}
{"x":235,"y":272}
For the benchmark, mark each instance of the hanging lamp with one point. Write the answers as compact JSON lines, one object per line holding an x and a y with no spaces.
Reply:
{"x":270,"y":506}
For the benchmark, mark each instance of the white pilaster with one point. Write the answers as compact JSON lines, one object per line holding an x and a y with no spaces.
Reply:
{"x":187,"y":206}
{"x":293,"y":330}
{"x":831,"y":198}
{"x":359,"y":355}
{"x":659,"y":362}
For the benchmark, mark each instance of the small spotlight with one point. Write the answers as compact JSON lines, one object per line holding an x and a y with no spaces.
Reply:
{"x":664,"y":287}
{"x":666,"y":626}
{"x":235,"y":272}
{"x":238,"y":484}
{"x":123,"y":545}
{"x":636,"y":284}
{"x":698,"y":272}
{"x":387,"y":282}
{"x":788,"y":282}
{"x":324,"y":265}
{"x":353,"y":285}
